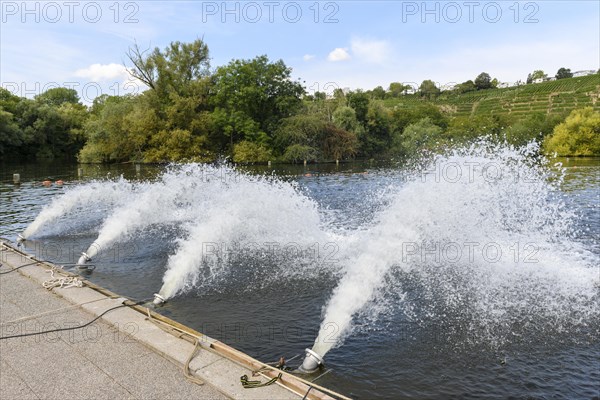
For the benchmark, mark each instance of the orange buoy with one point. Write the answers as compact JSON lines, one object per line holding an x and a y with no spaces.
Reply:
{"x":307,"y":174}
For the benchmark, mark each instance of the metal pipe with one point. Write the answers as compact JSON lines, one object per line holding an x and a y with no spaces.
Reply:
{"x":312,"y":362}
{"x":158,"y":300}
{"x":84,"y":258}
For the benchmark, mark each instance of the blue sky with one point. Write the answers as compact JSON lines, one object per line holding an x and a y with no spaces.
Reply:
{"x":356,"y":44}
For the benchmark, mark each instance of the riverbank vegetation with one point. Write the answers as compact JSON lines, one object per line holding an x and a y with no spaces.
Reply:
{"x":253,"y":111}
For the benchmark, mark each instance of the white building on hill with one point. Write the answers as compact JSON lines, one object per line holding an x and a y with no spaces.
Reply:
{"x":585,"y":72}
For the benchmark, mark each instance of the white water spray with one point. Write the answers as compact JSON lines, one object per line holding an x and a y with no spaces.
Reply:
{"x":217,"y":208}
{"x":485,"y":234}
{"x":171,"y":199}
{"x":265,"y":214}
{"x":486,"y":195}
{"x":90,"y":196}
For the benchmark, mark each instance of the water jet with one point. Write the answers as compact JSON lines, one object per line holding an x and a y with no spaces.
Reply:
{"x":312,"y":362}
{"x":412,"y":258}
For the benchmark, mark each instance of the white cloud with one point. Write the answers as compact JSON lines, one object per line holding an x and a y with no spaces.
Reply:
{"x":373,"y":51}
{"x":308,"y":57}
{"x":339,"y":54}
{"x":103,"y":72}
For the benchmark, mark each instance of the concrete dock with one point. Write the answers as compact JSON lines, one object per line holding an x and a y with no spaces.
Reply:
{"x":127,"y":353}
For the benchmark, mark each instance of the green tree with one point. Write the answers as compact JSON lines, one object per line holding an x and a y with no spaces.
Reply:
{"x":8,"y":101}
{"x":173,"y":120}
{"x":465,"y":129}
{"x":396,"y":89}
{"x":173,"y":69}
{"x":359,"y":101}
{"x":468,"y":86}
{"x":344,"y":117}
{"x":578,"y":135}
{"x":303,"y":130}
{"x":535,"y":126}
{"x":400,"y":118}
{"x":250,"y":152}
{"x":11,"y":135}
{"x":51,"y":124}
{"x":320,"y":96}
{"x":177,"y":145}
{"x":321,"y":107}
{"x":107,"y":132}
{"x":378,"y":93}
{"x":483,"y":81}
{"x":254,"y":96}
{"x":416,"y":137}
{"x":339,"y":94}
{"x":376,"y":138}
{"x":537,"y":74}
{"x":57,"y":96}
{"x":297,"y":153}
{"x":74,"y":117}
{"x":429,"y":89}
{"x":563,"y":73}
{"x":339,"y":143}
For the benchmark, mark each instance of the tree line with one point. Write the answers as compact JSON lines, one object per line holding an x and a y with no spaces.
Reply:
{"x":251,"y":111}
{"x":483,"y":81}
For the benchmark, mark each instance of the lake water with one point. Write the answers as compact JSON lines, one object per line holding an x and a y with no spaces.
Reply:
{"x":440,"y":313}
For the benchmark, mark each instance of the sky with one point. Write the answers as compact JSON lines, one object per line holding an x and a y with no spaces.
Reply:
{"x":328,"y":44}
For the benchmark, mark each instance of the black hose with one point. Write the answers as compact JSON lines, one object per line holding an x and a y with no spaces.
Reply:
{"x":19,"y":267}
{"x":74,"y":327}
{"x":69,"y":265}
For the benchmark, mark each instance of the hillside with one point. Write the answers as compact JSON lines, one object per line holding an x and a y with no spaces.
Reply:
{"x":555,"y":97}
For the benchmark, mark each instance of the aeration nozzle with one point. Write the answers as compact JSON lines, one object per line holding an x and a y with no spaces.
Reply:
{"x":84,"y":259}
{"x":311,"y":362}
{"x":158,"y":300}
{"x":20,"y":238}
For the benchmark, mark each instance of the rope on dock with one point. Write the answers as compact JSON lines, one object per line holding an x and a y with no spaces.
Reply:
{"x":63,"y":282}
{"x":197,"y":346}
{"x":248,"y":384}
{"x":186,"y":367}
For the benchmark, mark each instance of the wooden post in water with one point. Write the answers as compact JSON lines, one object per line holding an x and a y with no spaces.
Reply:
{"x":269,"y":163}
{"x":305,"y":163}
{"x":80,"y":172}
{"x":17,"y":179}
{"x":337,"y":162}
{"x":138,"y":168}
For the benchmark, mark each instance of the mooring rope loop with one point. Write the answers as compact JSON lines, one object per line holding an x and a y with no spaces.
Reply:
{"x":63,"y":282}
{"x":197,"y":346}
{"x":186,"y":367}
{"x":248,"y":384}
